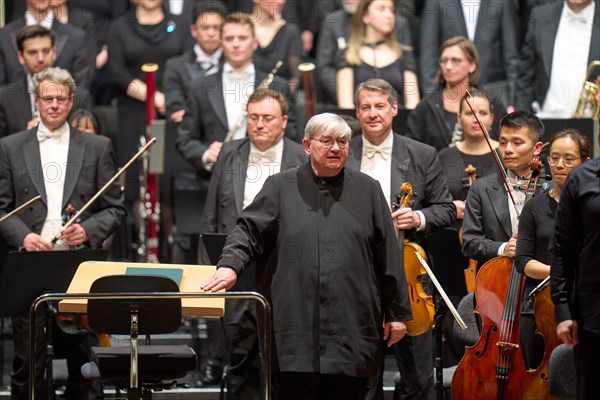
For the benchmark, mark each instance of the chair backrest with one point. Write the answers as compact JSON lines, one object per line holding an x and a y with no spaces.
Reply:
{"x":561,"y":373}
{"x":156,"y":315}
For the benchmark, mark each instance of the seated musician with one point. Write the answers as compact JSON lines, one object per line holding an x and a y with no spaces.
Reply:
{"x":392,"y":160}
{"x":32,"y":162}
{"x":567,"y":149}
{"x":491,"y":217}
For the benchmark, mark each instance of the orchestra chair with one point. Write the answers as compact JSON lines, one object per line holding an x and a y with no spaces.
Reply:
{"x":138,"y":369}
{"x":561,"y":373}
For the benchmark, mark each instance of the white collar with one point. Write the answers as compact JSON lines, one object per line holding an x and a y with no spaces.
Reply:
{"x":201,"y":56}
{"x":47,"y":21}
{"x":60,"y":134}
{"x":228,"y":69}
{"x":586,"y":15}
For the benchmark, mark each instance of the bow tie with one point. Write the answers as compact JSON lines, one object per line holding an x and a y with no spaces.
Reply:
{"x":256,"y":156}
{"x":517,"y":183}
{"x":43,"y":135}
{"x":237,"y":76}
{"x":575,"y":17}
{"x":369,"y":150}
{"x":206,"y":65}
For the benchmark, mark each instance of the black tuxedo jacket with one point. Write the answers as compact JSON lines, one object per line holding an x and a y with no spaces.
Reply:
{"x":226,"y":191}
{"x":90,"y":164}
{"x":179,"y":72}
{"x":72,"y":52}
{"x":495,"y":38}
{"x":538,"y":49}
{"x":418,"y":164}
{"x":205,"y":119}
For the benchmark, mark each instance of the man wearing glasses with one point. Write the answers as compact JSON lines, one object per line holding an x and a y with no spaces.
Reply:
{"x":239,"y":174}
{"x":328,"y":260}
{"x":392,"y":160}
{"x":67,"y":167}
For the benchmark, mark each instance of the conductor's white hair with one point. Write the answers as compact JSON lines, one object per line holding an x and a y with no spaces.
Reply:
{"x":327,"y":123}
{"x":57,"y":75}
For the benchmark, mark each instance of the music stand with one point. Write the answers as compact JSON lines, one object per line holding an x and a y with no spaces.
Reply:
{"x":27,"y":275}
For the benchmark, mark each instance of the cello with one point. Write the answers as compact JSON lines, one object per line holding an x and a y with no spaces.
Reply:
{"x":536,"y":384}
{"x":494,"y":367}
{"x":421,"y":304}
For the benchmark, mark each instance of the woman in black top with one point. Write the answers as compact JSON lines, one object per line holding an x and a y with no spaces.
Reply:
{"x":144,"y":35}
{"x":568,"y":149}
{"x":433,"y":121}
{"x":471,"y":150}
{"x":374,"y":52}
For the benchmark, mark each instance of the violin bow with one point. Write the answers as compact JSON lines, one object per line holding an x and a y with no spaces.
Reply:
{"x":104,"y":188}
{"x":486,"y":135}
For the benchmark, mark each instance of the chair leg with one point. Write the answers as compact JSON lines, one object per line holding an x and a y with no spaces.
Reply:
{"x":135,"y":394}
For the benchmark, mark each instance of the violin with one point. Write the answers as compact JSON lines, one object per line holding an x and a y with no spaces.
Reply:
{"x":471,"y":270}
{"x":471,"y":176}
{"x":423,"y":309}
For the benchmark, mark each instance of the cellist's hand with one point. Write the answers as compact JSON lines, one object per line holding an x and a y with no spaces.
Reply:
{"x":510,"y":250}
{"x":393,"y":332}
{"x":567,"y":331}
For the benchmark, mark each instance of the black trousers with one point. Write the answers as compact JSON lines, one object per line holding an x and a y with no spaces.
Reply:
{"x":316,"y":386}
{"x":75,"y":348}
{"x":414,"y":356}
{"x":587,"y":354}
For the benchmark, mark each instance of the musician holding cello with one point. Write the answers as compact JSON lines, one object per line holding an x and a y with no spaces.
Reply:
{"x":393,"y":160}
{"x":568,"y":148}
{"x":574,"y":274}
{"x":67,"y":167}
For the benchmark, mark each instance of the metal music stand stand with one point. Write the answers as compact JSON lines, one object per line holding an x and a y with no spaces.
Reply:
{"x":27,"y":275}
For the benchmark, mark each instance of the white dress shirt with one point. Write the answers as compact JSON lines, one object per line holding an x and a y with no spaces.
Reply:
{"x":210,"y":64}
{"x":569,"y":62}
{"x":237,"y":88}
{"x":53,"y":157}
{"x":471,"y":13}
{"x":46,"y":21}
{"x":261,"y":165}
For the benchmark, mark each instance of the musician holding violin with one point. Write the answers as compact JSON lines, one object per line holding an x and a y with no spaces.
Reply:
{"x":491,"y":213}
{"x":393,"y":160}
{"x":568,"y":148}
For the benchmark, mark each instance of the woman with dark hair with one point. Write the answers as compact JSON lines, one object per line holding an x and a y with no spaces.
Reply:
{"x":568,"y":148}
{"x":434,"y":120}
{"x":85,"y":120}
{"x":472,"y":150}
{"x":374,"y":52}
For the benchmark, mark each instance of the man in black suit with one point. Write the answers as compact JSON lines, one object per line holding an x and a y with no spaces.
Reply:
{"x":204,"y":59}
{"x":333,"y":34}
{"x":213,"y":110}
{"x":72,"y":53}
{"x":490,"y":24}
{"x":491,"y":218}
{"x":242,"y":167}
{"x":67,"y":168}
{"x":392,"y":160}
{"x":562,"y":39}
{"x":17,"y":105}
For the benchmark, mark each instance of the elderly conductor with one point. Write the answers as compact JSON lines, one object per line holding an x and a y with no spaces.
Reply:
{"x":329,"y":262}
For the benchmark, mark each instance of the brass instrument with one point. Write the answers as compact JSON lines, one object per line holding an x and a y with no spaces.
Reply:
{"x":587,"y":106}
{"x":263,"y":85}
{"x":307,"y":70}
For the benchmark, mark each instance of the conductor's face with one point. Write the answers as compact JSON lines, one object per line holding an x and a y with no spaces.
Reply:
{"x":54,"y":101}
{"x":328,"y":153}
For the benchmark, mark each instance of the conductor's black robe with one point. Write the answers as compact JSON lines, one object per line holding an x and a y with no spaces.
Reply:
{"x":330,"y":264}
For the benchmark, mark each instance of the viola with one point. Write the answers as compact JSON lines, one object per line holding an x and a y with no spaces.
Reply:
{"x":422,"y":306}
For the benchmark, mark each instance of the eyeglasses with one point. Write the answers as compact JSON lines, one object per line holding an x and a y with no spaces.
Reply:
{"x":452,"y":60}
{"x":51,"y":99}
{"x":328,"y":142}
{"x":567,"y":161}
{"x":267,"y":119}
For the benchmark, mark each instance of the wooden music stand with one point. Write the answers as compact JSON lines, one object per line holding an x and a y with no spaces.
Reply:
{"x":192,"y":278}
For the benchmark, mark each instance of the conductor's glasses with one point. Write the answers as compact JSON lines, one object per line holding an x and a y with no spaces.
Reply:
{"x":327,"y":142}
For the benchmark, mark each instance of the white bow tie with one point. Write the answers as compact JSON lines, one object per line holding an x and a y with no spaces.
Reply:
{"x":43,"y":135}
{"x":256,"y":156}
{"x":238,"y":76}
{"x":576,"y":17}
{"x":384,"y":150}
{"x":517,"y":183}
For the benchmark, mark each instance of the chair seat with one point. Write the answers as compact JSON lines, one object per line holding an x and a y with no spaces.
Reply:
{"x":156,"y":363}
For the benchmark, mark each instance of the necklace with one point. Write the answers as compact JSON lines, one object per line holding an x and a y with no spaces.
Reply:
{"x":375,"y":44}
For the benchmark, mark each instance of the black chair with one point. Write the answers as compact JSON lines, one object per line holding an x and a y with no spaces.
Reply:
{"x":138,"y":369}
